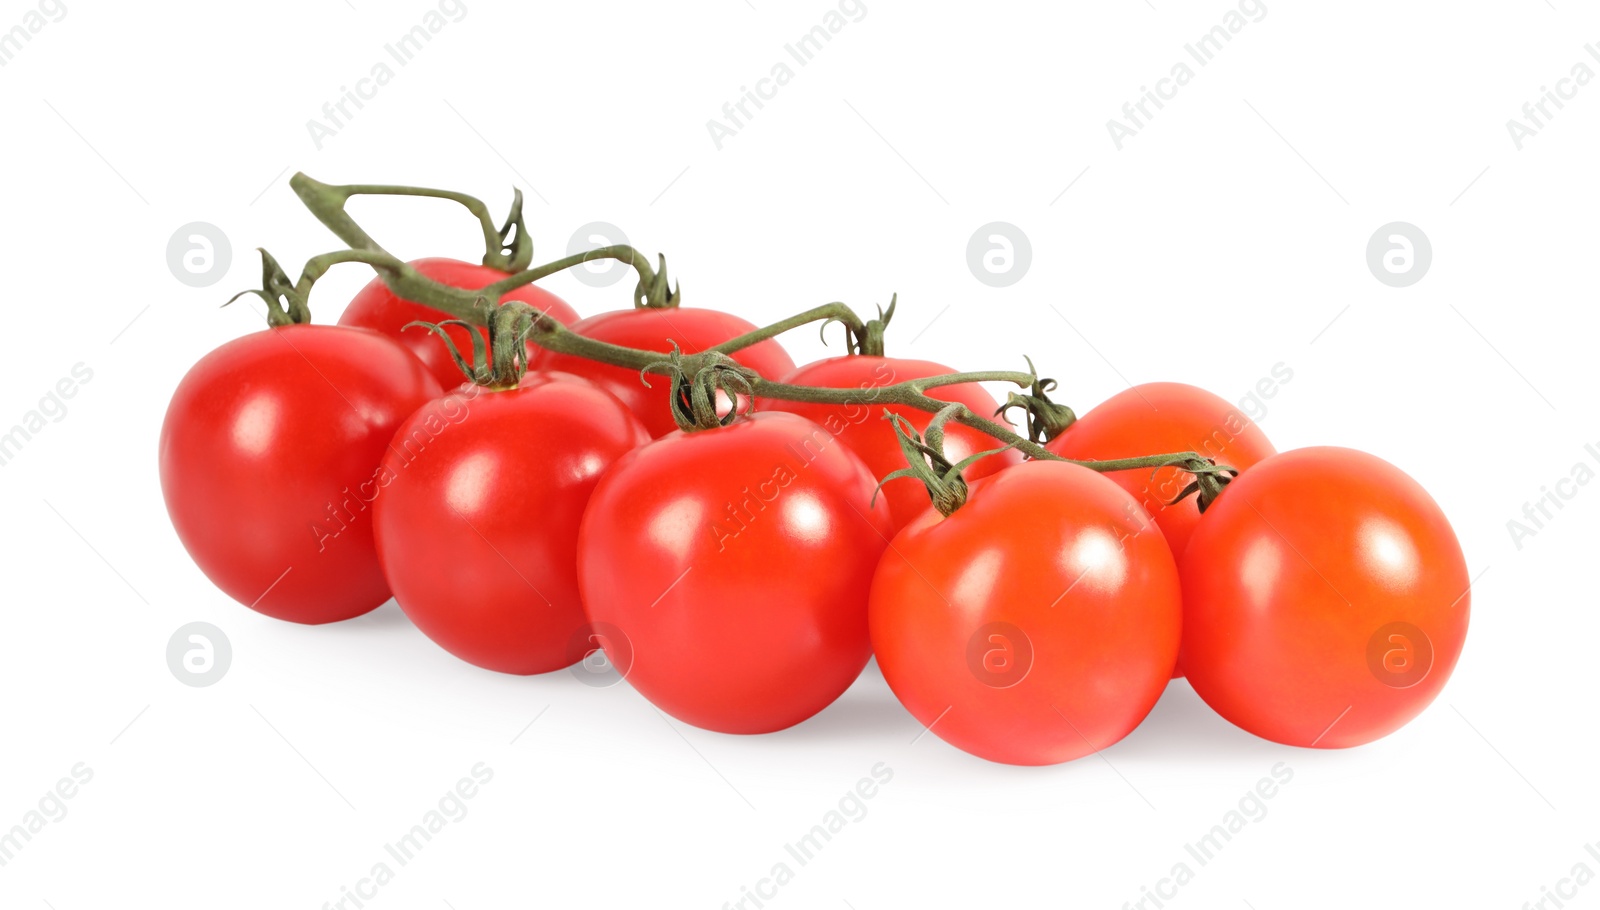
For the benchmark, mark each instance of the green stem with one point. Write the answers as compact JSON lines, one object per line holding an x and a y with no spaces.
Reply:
{"x":1011,"y":376}
{"x":352,"y":234}
{"x":621,"y":253}
{"x":317,"y":266}
{"x":827,"y":314}
{"x":912,"y":394}
{"x":870,"y":341}
{"x":327,"y":203}
{"x":553,"y":336}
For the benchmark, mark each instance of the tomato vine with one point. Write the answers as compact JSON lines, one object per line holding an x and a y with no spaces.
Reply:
{"x":697,"y":376}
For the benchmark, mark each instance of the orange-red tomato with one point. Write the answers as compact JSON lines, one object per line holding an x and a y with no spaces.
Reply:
{"x":861,"y":425}
{"x":1037,"y":623}
{"x":652,"y":329}
{"x":1325,"y":599}
{"x":1155,"y":418}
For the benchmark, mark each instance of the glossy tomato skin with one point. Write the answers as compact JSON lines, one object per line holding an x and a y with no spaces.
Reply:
{"x":652,"y":329}
{"x":477,"y":522}
{"x":861,"y":425}
{"x":1037,"y":623}
{"x":727,"y":571}
{"x":1159,"y":417}
{"x":1326,"y":599}
{"x":269,"y":452}
{"x":376,"y":307}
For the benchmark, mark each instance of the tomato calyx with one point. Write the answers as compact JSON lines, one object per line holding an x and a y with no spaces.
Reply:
{"x":286,"y":303}
{"x":702,"y":385}
{"x":499,"y":365}
{"x":652,"y":292}
{"x":1045,"y":419}
{"x":514,"y":251}
{"x":863,"y":338}
{"x":926,"y":460}
{"x":1210,"y":479}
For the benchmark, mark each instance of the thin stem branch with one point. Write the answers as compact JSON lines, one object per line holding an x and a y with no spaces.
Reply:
{"x":327,"y":203}
{"x":827,"y":313}
{"x":621,"y":252}
{"x":1011,"y":376}
{"x":491,"y":233}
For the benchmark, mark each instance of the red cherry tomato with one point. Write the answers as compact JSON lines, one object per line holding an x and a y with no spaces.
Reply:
{"x":652,"y":329}
{"x":726,"y":571}
{"x":1159,"y":417}
{"x":861,"y":426}
{"x":1326,"y":599}
{"x":477,"y":520}
{"x":376,"y":307}
{"x":1037,"y":623}
{"x":269,"y":455}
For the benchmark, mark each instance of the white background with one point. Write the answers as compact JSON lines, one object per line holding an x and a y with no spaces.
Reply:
{"x":1226,"y":237}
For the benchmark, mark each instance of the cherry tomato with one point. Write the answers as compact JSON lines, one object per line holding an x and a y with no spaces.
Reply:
{"x":477,"y":520}
{"x":1159,"y":417}
{"x":726,"y":571}
{"x":1326,"y":599}
{"x":269,"y":456}
{"x":1037,"y":623}
{"x":653,"y":329}
{"x":376,"y":307}
{"x":861,"y":426}
{"x":1162,"y":417}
